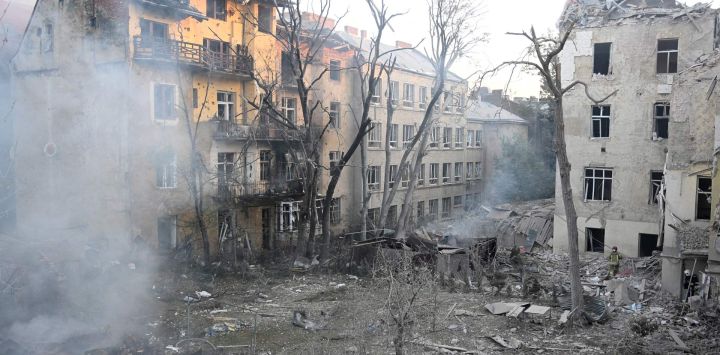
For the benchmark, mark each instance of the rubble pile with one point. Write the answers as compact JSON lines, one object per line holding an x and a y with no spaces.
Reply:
{"x":691,"y":237}
{"x":593,"y":13}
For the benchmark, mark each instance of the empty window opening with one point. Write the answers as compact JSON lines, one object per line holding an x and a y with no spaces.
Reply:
{"x":598,"y":184}
{"x":667,"y":56}
{"x":265,"y":19}
{"x":661,"y":120}
{"x":266,"y":227}
{"x":265,"y":159}
{"x":656,"y":178}
{"x":647,"y":244}
{"x":601,"y":58}
{"x":166,"y":232}
{"x":601,"y":121}
{"x":595,"y":240}
{"x":392,"y":216}
{"x":704,"y":194}
{"x":334,"y":69}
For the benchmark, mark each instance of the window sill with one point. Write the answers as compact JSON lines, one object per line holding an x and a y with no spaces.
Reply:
{"x":166,"y":188}
{"x":599,"y":139}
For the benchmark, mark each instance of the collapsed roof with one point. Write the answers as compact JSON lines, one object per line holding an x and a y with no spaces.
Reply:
{"x":597,"y":13}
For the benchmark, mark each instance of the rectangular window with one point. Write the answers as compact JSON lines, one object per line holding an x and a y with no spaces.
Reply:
{"x":48,"y":38}
{"x":434,"y":137}
{"x":374,"y":135}
{"x":216,"y":47}
{"x":420,"y":213}
{"x":335,"y":157}
{"x":167,"y":232}
{"x":478,"y":169}
{"x":217,"y":9}
{"x":433,"y":209}
{"x":704,"y":194}
{"x":448,"y":100}
{"x":375,"y":98}
{"x":334,"y":70}
{"x":601,"y":58}
{"x":164,"y":102}
{"x":288,"y":107}
{"x":470,"y":170}
{"x":289,"y":216}
{"x":393,"y":142}
{"x":408,"y":95}
{"x":225,"y":167}
{"x":166,"y":170}
{"x":392,"y":216}
{"x":434,"y":173}
{"x":595,"y":240}
{"x":334,"y":114}
{"x":458,"y":172}
{"x":195,"y":102}
{"x":391,"y":178}
{"x":335,"y":211}
{"x":408,"y":135}
{"x":225,"y":106}
{"x":469,"y":139}
{"x":446,"y":173}
{"x":459,"y":134}
{"x":656,"y":178}
{"x":373,"y":217}
{"x":265,"y":19}
{"x":667,"y":56}
{"x":421,"y":175}
{"x":598,"y":184}
{"x":153,"y":31}
{"x":661,"y":120}
{"x":601,"y":121}
{"x":394,"y":92}
{"x":458,"y":201}
{"x":405,"y":176}
{"x":478,"y":138}
{"x":446,"y":207}
{"x":373,"y":177}
{"x":422,"y":97}
{"x":447,"y":137}
{"x":265,"y":158}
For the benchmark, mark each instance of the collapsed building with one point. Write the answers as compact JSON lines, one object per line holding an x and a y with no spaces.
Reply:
{"x":642,"y":159}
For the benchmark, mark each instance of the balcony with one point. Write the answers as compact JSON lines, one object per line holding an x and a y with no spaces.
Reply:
{"x":227,"y":130}
{"x":259,"y":192}
{"x":194,"y":55}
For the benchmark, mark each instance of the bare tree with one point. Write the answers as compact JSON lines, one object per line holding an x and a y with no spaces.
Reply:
{"x":543,"y":55}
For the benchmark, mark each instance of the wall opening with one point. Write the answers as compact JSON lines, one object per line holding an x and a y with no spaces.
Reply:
{"x":595,"y":240}
{"x":601,"y":58}
{"x":647,"y":244}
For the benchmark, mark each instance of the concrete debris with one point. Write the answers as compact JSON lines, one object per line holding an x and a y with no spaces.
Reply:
{"x":596,"y":13}
{"x":526,"y":223}
{"x":301,"y":320}
{"x":510,"y":343}
{"x":535,"y":309}
{"x":499,"y":308}
{"x":203,"y":294}
{"x":691,"y":237}
{"x":621,"y":292}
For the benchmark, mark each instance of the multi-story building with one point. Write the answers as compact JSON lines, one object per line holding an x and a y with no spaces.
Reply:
{"x":647,"y":138}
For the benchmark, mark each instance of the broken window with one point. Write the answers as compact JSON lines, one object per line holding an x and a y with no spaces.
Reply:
{"x":391,"y":178}
{"x":393,"y":141}
{"x":459,"y":134}
{"x":289,"y":216}
{"x":374,"y":135}
{"x":595,"y":240}
{"x":656,"y":178}
{"x":470,"y":170}
{"x":434,"y":137}
{"x":265,"y":19}
{"x":265,"y":158}
{"x":334,"y":69}
{"x":447,"y":137}
{"x":408,"y":95}
{"x":408,"y":135}
{"x":601,"y":58}
{"x":373,"y":177}
{"x":661,"y":120}
{"x":375,"y":98}
{"x":446,"y":207}
{"x":470,"y":137}
{"x":704,"y":194}
{"x":478,"y":138}
{"x":166,"y":170}
{"x":598,"y":184}
{"x":667,"y":56}
{"x":433,"y":209}
{"x":458,"y":201}
{"x":335,"y":211}
{"x":421,"y":175}
{"x":434,"y":173}
{"x":225,"y":106}
{"x":334,"y":114}
{"x":446,"y":173}
{"x":288,"y":106}
{"x":166,"y":232}
{"x":394,"y":92}
{"x":458,"y":172}
{"x":601,"y":121}
{"x":151,"y":30}
{"x":217,"y":9}
{"x":422,"y":97}
{"x":225,"y":167}
{"x":164,"y":102}
{"x":335,"y":157}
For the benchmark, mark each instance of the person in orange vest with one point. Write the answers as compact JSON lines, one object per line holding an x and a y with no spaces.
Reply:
{"x":614,"y":262}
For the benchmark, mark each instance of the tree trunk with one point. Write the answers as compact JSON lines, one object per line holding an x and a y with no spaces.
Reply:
{"x":570,"y":213}
{"x":400,"y":340}
{"x":407,"y":206}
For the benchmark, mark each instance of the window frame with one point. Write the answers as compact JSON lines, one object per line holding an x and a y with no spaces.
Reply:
{"x":373,"y":179}
{"x":434,"y":174}
{"x":422,"y":97}
{"x":665,"y":118}
{"x":212,"y":12}
{"x":229,"y":105}
{"x":334,"y":69}
{"x":335,"y":211}
{"x":166,"y":171}
{"x":408,"y":95}
{"x":265,"y":160}
{"x":608,"y":69}
{"x":707,"y":195}
{"x":589,"y":188}
{"x":373,"y":136}
{"x":656,"y":178}
{"x":408,"y":135}
{"x":601,"y":117}
{"x":446,"y":171}
{"x":459,"y":135}
{"x":286,"y":109}
{"x":165,"y":111}
{"x":458,"y":172}
{"x":334,"y":114}
{"x":447,"y":138}
{"x":377,"y":93}
{"x":265,"y":19}
{"x":393,"y":136}
{"x":421,"y":176}
{"x":668,"y":54}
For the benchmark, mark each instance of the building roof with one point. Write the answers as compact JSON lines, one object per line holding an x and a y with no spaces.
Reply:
{"x":409,"y":59}
{"x":478,"y":110}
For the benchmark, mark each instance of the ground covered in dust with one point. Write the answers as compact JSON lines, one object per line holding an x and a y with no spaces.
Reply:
{"x":270,"y":311}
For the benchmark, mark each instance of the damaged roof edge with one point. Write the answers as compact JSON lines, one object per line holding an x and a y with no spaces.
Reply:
{"x":599,"y":13}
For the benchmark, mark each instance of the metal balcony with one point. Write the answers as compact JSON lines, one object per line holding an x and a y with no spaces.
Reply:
{"x":259,"y":192}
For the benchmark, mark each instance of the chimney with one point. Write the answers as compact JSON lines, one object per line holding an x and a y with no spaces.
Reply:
{"x":316,"y":19}
{"x":353,"y":31}
{"x":401,"y":44}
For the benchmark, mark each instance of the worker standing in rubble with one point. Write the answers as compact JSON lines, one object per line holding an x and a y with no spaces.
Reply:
{"x":614,"y":262}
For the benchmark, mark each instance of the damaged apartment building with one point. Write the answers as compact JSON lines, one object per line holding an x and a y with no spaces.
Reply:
{"x":642,"y":159}
{"x":112,"y":98}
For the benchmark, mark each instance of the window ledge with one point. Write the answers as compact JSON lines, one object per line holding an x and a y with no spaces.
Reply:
{"x":600,"y":139}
